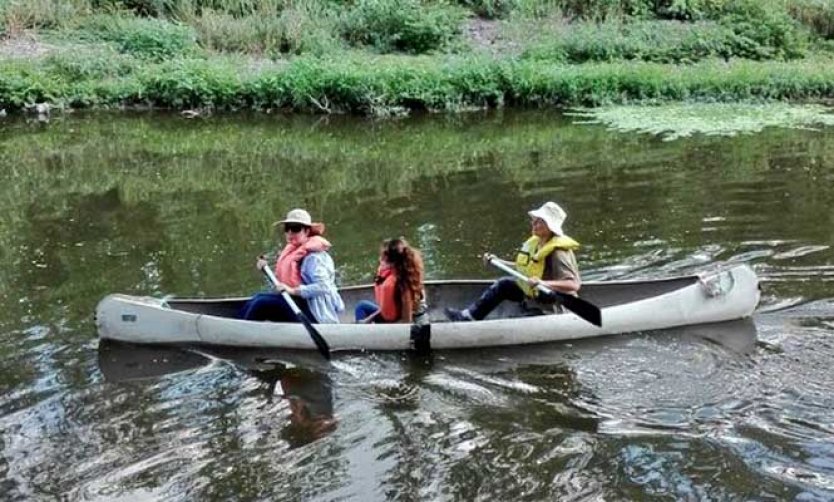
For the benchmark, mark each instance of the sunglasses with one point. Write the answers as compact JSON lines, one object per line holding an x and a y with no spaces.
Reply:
{"x":293,"y":228}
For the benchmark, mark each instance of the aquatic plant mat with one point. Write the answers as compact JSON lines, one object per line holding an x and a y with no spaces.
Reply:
{"x":681,"y":120}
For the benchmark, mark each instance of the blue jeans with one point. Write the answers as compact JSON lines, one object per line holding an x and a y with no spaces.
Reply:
{"x":505,"y":288}
{"x":365,"y":308}
{"x":272,"y":307}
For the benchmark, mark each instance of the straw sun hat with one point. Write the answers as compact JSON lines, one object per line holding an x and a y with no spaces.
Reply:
{"x":297,"y":216}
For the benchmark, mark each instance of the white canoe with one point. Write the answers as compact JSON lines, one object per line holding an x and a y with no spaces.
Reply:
{"x":626,"y":306}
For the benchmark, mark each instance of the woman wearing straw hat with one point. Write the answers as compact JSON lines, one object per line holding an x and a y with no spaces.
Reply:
{"x":546,"y":258}
{"x":305,"y":270}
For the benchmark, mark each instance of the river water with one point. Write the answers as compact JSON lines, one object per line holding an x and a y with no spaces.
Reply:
{"x":155,"y":204}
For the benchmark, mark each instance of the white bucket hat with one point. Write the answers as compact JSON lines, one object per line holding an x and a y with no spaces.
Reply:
{"x":553,"y":215}
{"x":297,"y":216}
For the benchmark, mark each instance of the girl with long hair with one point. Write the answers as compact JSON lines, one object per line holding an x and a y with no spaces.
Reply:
{"x":398,"y":286}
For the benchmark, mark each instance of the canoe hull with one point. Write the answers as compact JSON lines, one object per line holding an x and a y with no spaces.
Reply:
{"x":718,"y":296}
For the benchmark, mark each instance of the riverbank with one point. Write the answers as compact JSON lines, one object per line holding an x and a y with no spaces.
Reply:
{"x":379,"y":58}
{"x":383,"y":86}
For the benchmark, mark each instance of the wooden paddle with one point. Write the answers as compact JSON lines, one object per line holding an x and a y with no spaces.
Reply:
{"x":583,"y":308}
{"x":320,"y":342}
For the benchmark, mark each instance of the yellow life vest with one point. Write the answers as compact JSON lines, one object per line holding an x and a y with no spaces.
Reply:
{"x":531,"y":258}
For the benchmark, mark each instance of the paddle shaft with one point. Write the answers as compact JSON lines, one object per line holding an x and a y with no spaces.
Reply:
{"x":583,"y":308}
{"x":320,"y":342}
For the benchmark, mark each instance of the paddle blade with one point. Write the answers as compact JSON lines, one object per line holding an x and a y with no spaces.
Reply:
{"x":583,"y":308}
{"x":319,"y":340}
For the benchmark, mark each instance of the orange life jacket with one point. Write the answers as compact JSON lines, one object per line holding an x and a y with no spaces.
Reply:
{"x":385,"y":294}
{"x":288,"y":264}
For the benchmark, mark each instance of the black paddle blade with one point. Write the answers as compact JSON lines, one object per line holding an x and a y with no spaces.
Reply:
{"x":583,"y":308}
{"x":319,"y":340}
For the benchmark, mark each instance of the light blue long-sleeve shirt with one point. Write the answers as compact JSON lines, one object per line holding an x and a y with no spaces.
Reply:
{"x":318,"y":287}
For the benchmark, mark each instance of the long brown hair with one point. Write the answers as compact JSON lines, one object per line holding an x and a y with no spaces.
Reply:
{"x":408,"y":263}
{"x":316,"y":229}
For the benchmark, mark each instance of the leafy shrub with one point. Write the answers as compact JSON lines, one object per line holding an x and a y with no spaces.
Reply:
{"x":21,"y":85}
{"x":192,"y":84}
{"x":90,"y":64}
{"x":402,"y":25}
{"x":149,"y":38}
{"x":763,"y":30}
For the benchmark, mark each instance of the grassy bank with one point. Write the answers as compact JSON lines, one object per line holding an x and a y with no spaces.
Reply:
{"x":384,"y":86}
{"x":386,"y":57}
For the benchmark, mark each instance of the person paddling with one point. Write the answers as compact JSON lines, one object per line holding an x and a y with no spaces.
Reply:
{"x":398,"y":286}
{"x":547,"y":258}
{"x":305,"y":270}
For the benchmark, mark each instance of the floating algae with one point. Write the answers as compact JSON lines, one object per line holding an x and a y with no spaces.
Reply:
{"x":716,"y":119}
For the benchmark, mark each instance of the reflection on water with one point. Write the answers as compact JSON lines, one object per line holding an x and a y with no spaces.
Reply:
{"x":308,"y":393}
{"x":734,"y":411}
{"x":120,"y":362}
{"x":517,"y":397}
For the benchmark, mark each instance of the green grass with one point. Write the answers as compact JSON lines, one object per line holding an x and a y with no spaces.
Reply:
{"x":387,"y":85}
{"x":143,"y":37}
{"x":657,"y":41}
{"x":389,"y":57}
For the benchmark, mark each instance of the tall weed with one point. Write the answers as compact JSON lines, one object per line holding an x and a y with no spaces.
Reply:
{"x":602,"y":10}
{"x":19,"y":15}
{"x":174,"y":8}
{"x":310,"y":26}
{"x":305,"y":27}
{"x":818,"y":15}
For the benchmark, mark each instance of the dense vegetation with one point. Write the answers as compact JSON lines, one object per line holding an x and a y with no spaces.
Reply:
{"x":385,"y":57}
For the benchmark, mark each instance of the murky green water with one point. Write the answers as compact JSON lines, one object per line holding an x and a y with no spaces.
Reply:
{"x":157,"y":204}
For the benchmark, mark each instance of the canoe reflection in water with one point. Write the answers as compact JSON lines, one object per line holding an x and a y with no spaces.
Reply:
{"x":127,"y":362}
{"x":309,"y":393}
